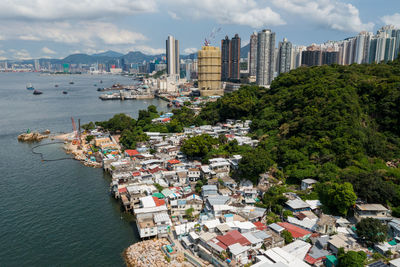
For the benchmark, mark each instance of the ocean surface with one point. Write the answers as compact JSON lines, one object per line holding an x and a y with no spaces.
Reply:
{"x":58,"y":213}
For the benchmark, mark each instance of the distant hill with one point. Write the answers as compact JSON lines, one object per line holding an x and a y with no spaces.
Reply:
{"x":138,"y":57}
{"x":108,"y":53}
{"x":244,"y":51}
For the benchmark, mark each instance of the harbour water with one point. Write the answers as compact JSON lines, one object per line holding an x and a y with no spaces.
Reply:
{"x":58,"y":213}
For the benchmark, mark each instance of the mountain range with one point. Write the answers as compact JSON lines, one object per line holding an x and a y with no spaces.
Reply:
{"x":112,"y":56}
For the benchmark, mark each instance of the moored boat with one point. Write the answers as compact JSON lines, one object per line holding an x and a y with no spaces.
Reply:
{"x":29,"y":86}
{"x":37,"y":92}
{"x":65,"y":92}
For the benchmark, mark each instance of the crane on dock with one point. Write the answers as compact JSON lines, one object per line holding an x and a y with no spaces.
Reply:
{"x":211,"y":37}
{"x":77,"y":137}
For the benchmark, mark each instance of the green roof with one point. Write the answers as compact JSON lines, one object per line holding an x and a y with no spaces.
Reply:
{"x":332,"y":259}
{"x":393,"y":242}
{"x":159,"y":195}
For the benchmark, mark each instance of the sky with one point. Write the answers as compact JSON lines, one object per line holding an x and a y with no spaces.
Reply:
{"x":58,"y":28}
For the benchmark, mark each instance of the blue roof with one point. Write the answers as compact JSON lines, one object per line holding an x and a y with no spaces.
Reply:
{"x":228,"y":215}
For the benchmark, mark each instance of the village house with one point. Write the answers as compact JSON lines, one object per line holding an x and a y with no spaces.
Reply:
{"x":376,"y":211}
{"x":193,"y":174}
{"x":307,"y":183}
{"x":342,"y":241}
{"x":326,"y":224}
{"x":297,"y":205}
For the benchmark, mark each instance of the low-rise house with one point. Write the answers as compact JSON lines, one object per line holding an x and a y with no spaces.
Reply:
{"x":276,"y":228}
{"x":150,"y":225}
{"x":232,"y":237}
{"x":307,"y":183}
{"x":179,"y":206}
{"x":394,"y":227}
{"x":255,"y":241}
{"x":376,"y":211}
{"x":228,"y":182}
{"x":326,"y":224}
{"x":342,"y":241}
{"x":297,"y":232}
{"x":239,"y":253}
{"x":193,"y":174}
{"x":209,"y":190}
{"x":205,"y":172}
{"x":297,"y":205}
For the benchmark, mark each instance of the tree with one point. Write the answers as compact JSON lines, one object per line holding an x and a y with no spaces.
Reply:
{"x":371,"y":230}
{"x":159,"y":187}
{"x":351,"y":258}
{"x":89,"y":138}
{"x":338,"y":198}
{"x":287,"y":236}
{"x":189,"y":213}
{"x":253,"y":163}
{"x":89,"y":126}
{"x":198,"y":146}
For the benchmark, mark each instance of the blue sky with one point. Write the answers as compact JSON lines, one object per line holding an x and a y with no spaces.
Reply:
{"x":57,"y":28}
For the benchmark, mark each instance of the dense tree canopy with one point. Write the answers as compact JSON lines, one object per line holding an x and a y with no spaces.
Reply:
{"x":351,"y":258}
{"x":330,"y":123}
{"x":338,"y":198}
{"x":371,"y":230}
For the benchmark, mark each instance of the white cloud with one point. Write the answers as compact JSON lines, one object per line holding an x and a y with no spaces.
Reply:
{"x":148,"y":50}
{"x":240,"y":12}
{"x":86,"y":33}
{"x":330,"y":13}
{"x":72,"y":9}
{"x":190,"y":50}
{"x":173,"y":15}
{"x":392,"y":19}
{"x":2,"y":52}
{"x":47,"y":50}
{"x":20,"y":54}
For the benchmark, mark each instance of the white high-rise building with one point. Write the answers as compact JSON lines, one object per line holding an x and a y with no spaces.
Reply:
{"x":296,"y":56}
{"x":253,"y":55}
{"x":284,"y":56}
{"x":172,"y":52}
{"x":37,"y":65}
{"x":363,"y":40}
{"x":265,"y":57}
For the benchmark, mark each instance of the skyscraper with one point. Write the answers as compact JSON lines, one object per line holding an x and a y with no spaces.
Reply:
{"x":284,"y":56}
{"x":312,"y":56}
{"x":172,"y":52}
{"x":265,"y":57}
{"x":230,"y":58}
{"x":225,"y":59}
{"x":253,"y":55}
{"x":209,"y":71}
{"x":363,"y":40}
{"x":235,"y":58}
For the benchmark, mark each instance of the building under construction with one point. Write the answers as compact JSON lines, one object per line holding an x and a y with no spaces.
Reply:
{"x":209,"y":71}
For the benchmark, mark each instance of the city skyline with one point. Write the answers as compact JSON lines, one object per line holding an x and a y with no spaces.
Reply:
{"x":43,"y":29}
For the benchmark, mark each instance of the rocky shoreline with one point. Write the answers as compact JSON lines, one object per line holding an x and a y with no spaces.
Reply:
{"x":34,"y":136}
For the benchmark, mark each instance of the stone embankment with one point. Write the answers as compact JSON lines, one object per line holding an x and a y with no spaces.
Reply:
{"x":33,"y":137}
{"x":149,"y":253}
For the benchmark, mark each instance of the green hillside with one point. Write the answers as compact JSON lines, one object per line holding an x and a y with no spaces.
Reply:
{"x":330,"y":123}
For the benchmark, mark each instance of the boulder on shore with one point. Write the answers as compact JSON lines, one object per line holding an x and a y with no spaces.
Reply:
{"x":31,"y":137}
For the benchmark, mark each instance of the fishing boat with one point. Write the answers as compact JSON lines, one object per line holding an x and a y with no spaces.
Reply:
{"x":56,"y":85}
{"x":29,"y":86}
{"x":65,"y":92}
{"x":37,"y":92}
{"x":71,"y":82}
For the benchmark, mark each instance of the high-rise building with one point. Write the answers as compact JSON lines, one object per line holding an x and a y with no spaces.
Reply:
{"x":230,"y":58}
{"x":253,"y":55}
{"x":225,"y":59}
{"x":235,"y":58}
{"x":312,"y":56}
{"x":363,"y":40}
{"x":37,"y":65}
{"x":265,"y":57}
{"x":330,"y":57}
{"x":296,"y":56}
{"x":172,"y":52}
{"x":284,"y":56}
{"x":209,"y":71}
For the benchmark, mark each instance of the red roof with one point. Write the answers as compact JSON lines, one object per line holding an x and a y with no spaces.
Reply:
{"x":154,"y":170}
{"x":166,"y":119}
{"x":233,"y":237}
{"x":260,"y":226}
{"x":159,"y":202}
{"x":135,"y":173}
{"x":131,"y":152}
{"x":173,"y":161}
{"x":296,"y":232}
{"x":122,"y":190}
{"x":222,"y":245}
{"x":311,"y":260}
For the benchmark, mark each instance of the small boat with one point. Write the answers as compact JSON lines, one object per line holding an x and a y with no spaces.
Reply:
{"x":56,"y":85}
{"x":29,"y":86}
{"x":65,"y":92}
{"x":71,"y":82}
{"x":37,"y":92}
{"x":101,"y":81}
{"x":95,"y":85}
{"x":100,"y":89}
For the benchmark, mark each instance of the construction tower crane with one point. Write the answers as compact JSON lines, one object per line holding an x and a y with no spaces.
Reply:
{"x":76,"y":140}
{"x":211,"y":37}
